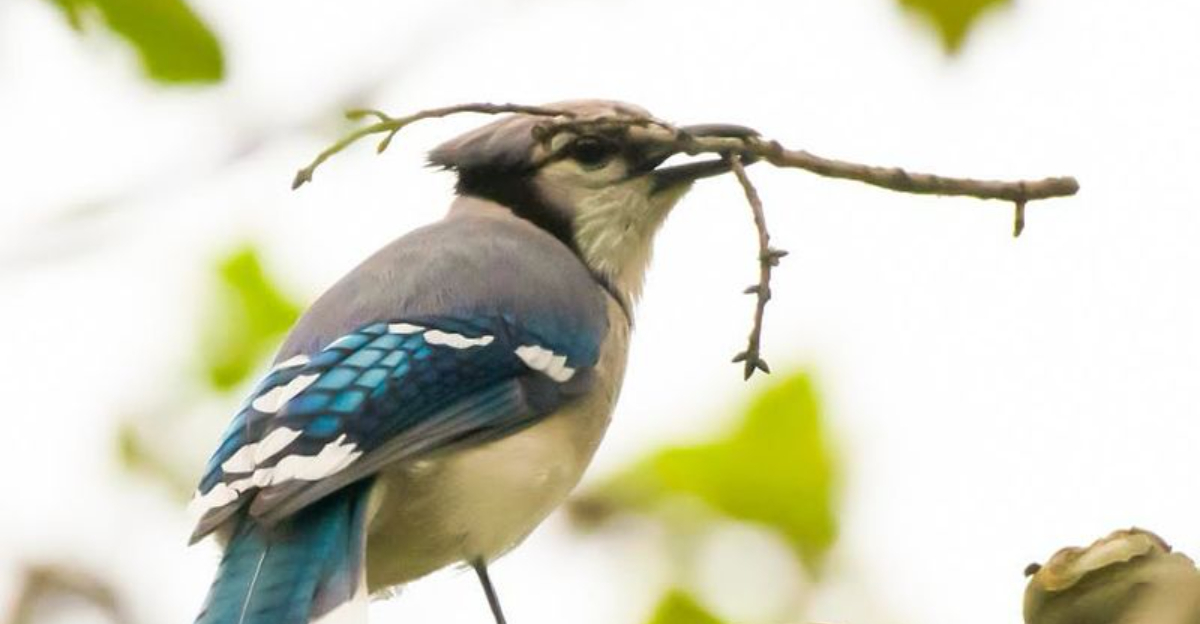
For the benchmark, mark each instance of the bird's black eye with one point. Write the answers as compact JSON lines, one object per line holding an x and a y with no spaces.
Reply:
{"x":592,"y":152}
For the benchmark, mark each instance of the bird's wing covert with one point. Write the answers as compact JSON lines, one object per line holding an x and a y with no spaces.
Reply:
{"x":386,"y":392}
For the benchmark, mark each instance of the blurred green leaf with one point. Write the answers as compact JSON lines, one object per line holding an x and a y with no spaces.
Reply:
{"x":774,"y":468}
{"x":677,"y":607}
{"x":173,"y":43}
{"x":249,"y":316}
{"x":138,"y":457}
{"x":952,"y":18}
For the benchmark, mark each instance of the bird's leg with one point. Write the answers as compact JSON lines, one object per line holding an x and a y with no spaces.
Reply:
{"x":493,"y":600}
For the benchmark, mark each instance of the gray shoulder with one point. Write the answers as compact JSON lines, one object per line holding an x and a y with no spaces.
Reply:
{"x":479,"y":260}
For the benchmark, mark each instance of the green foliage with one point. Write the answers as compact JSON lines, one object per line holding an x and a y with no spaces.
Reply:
{"x":677,"y":607}
{"x":172,"y":42}
{"x":249,"y":316}
{"x":774,"y":468}
{"x":139,"y":457}
{"x":952,"y":18}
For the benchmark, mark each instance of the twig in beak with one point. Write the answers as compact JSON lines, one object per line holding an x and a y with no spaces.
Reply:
{"x":736,"y":146}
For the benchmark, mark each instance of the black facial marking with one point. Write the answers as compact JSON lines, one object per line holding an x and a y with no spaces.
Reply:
{"x":514,"y":189}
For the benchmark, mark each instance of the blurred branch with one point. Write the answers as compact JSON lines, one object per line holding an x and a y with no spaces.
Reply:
{"x":43,"y":584}
{"x":737,"y":144}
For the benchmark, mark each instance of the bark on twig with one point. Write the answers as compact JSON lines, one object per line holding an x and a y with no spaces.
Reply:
{"x":897,"y":179}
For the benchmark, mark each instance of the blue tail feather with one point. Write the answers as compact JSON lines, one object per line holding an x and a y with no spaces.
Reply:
{"x":295,"y":572}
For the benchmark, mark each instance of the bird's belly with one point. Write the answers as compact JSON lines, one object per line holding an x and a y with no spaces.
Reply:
{"x":478,"y":502}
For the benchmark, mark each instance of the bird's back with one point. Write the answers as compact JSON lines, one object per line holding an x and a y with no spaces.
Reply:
{"x":480,"y":259}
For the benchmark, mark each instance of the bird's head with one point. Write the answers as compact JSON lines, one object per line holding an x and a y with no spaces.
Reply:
{"x":602,"y":193}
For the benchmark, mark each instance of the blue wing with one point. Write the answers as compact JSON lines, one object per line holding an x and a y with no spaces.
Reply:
{"x":386,"y":392}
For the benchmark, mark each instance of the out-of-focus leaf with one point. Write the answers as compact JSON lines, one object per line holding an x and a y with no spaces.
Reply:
{"x":173,"y":43}
{"x":774,"y":468}
{"x":136,"y":456}
{"x":250,"y":315}
{"x":952,"y":18}
{"x":677,"y":607}
{"x":245,"y":318}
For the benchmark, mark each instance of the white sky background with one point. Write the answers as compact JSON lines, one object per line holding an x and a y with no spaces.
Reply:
{"x":993,"y":399}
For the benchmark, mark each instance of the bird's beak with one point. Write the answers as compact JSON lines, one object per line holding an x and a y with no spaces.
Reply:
{"x":666,"y":178}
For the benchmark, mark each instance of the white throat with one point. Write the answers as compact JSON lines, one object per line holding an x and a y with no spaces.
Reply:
{"x":615,"y":227}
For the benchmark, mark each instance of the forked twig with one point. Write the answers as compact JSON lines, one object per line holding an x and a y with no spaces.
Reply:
{"x":735,"y":149}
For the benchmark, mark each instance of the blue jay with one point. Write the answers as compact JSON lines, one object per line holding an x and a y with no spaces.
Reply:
{"x":440,"y":400}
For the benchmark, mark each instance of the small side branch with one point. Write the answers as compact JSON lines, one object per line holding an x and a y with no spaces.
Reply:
{"x":389,"y":126}
{"x":768,"y":259}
